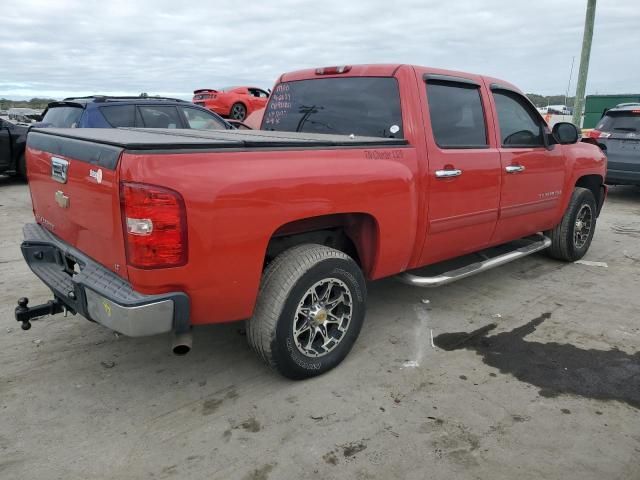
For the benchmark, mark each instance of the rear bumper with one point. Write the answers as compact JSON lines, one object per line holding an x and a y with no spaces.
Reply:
{"x":99,"y":294}
{"x":622,"y":177}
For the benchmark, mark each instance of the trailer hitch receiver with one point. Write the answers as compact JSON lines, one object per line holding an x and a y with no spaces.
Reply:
{"x":25,"y":314}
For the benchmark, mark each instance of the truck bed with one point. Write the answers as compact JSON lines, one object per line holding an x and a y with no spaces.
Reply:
{"x":183,"y":139}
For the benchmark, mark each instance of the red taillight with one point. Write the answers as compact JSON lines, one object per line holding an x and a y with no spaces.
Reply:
{"x":155,"y":226}
{"x":598,"y":134}
{"x":333,"y":70}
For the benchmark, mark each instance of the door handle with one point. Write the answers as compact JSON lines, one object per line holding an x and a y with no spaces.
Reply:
{"x":514,"y":168}
{"x":448,"y":173}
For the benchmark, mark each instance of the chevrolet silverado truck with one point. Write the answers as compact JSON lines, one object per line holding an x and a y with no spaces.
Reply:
{"x":358,"y":173}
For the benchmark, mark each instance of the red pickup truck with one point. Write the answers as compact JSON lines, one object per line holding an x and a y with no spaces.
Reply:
{"x":359,"y":173}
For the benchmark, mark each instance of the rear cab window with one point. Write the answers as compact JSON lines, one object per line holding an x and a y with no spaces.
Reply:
{"x":364,"y":106}
{"x":63,"y":116}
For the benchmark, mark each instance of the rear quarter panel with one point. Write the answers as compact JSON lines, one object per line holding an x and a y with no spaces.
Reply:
{"x":235,"y":201}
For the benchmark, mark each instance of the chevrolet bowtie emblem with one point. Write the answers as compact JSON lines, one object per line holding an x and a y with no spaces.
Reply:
{"x":61,"y":199}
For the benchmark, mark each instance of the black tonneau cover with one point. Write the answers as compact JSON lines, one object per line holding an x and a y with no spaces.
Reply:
{"x":184,"y":139}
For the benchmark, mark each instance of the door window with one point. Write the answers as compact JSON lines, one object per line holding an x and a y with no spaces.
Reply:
{"x":201,"y":120}
{"x":519,"y":125}
{"x":119,"y":115}
{"x":256,"y":92}
{"x":160,"y":116}
{"x":457,"y":117}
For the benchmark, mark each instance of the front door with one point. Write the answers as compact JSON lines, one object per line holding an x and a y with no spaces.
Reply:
{"x":532,"y":174}
{"x":464,"y":168}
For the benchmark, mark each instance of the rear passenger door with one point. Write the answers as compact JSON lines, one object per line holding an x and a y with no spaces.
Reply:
{"x":532,"y":172}
{"x":464,"y":167}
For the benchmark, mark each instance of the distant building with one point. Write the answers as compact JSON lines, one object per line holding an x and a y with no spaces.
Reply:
{"x":555,"y":110}
{"x":597,"y":105}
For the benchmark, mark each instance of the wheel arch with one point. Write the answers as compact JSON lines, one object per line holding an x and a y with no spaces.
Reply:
{"x":356,"y":234}
{"x":594,"y":183}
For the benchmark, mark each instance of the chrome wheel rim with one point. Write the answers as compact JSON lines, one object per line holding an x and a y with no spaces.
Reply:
{"x":237,"y":112}
{"x":582,"y":227}
{"x":322,"y":318}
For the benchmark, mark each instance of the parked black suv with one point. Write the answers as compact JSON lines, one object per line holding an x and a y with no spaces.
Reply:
{"x":618,"y":134}
{"x":13,"y":137}
{"x":142,"y":112}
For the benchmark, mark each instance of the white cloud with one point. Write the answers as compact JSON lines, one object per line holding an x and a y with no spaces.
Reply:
{"x":74,"y":47}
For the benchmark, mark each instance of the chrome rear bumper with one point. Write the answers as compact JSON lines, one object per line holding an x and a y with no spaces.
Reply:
{"x":99,"y":294}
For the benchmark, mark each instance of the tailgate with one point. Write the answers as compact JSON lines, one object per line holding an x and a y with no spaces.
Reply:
{"x":623,"y":152}
{"x":75,"y":194}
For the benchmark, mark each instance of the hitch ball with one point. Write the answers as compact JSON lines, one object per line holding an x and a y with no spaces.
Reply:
{"x":22,"y":307}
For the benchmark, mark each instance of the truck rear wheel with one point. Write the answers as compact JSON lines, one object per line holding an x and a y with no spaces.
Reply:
{"x":571,"y":238}
{"x":309,"y":311}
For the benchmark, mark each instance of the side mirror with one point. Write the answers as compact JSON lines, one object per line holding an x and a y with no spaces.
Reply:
{"x":565,"y":133}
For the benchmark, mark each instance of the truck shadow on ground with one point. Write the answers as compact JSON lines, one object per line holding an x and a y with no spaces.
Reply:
{"x":556,"y":369}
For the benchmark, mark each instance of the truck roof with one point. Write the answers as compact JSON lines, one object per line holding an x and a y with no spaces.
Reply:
{"x":386,"y":70}
{"x":373,"y":70}
{"x":176,"y":139}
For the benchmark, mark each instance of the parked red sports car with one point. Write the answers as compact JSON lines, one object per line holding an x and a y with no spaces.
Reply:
{"x":232,"y":102}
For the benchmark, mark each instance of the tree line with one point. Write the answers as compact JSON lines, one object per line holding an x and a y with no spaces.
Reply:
{"x":36,"y":103}
{"x":544,"y":100}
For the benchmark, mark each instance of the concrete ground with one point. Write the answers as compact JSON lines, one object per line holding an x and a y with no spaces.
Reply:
{"x":552,"y":390}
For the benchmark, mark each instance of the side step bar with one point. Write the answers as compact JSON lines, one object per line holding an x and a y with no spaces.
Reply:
{"x":477,"y":267}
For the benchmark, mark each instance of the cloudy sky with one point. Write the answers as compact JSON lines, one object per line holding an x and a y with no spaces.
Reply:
{"x":69,"y":47}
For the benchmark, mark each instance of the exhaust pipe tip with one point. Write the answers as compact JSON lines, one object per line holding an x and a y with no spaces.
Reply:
{"x":182,"y":343}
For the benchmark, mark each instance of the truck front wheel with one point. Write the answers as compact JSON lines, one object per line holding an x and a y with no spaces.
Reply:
{"x":309,"y":312}
{"x":571,"y":238}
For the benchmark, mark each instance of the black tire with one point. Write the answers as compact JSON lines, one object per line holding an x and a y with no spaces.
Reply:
{"x":21,"y":167}
{"x":564,"y":237}
{"x":285,"y":285}
{"x":238,"y":111}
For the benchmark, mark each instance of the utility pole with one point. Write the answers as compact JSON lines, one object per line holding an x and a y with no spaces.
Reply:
{"x":578,"y":105}
{"x":566,"y":94}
